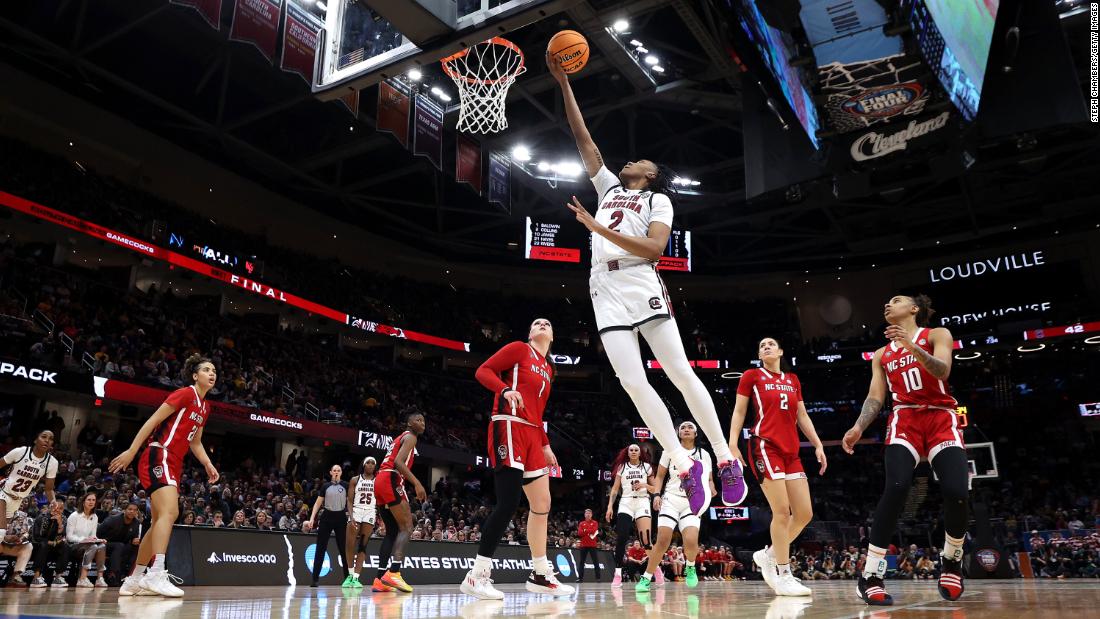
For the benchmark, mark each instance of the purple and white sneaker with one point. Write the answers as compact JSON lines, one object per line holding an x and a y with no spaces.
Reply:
{"x":734,"y":488}
{"x":692,"y":485}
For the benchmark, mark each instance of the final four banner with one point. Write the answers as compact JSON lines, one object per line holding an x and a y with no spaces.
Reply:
{"x":393,"y":109}
{"x":257,"y":22}
{"x":300,"y":36}
{"x":428,"y":130}
{"x":468,"y":161}
{"x":500,"y":170}
{"x":210,"y":10}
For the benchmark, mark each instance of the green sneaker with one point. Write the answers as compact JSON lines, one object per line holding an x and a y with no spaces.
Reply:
{"x":348,"y":582}
{"x":690,"y":577}
{"x":643,"y":585}
{"x":355,"y":582}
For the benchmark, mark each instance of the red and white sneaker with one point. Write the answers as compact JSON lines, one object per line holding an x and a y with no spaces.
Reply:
{"x":659,"y":577}
{"x":617,"y":581}
{"x":537,"y":583}
{"x":871,"y":591}
{"x":951,"y":580}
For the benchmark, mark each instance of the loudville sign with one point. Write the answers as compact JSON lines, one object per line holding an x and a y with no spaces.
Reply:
{"x":977,"y":268}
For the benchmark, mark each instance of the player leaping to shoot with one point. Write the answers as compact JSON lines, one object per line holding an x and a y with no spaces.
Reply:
{"x":629,"y":231}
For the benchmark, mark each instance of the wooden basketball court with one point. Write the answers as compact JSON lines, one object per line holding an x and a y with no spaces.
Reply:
{"x":1015,"y":599}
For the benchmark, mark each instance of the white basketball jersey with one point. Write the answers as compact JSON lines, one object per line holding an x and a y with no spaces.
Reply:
{"x":672,"y":486}
{"x":27,"y":471}
{"x":628,"y":211}
{"x":364,"y":494}
{"x":630,"y":473}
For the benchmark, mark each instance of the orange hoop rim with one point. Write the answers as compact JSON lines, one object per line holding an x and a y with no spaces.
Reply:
{"x":473,"y":80}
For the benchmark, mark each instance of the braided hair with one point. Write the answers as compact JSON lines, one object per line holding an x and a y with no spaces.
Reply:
{"x":924,"y":309}
{"x":662,"y":183}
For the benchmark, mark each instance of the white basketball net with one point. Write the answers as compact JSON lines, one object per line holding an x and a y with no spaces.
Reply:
{"x":483,"y":73}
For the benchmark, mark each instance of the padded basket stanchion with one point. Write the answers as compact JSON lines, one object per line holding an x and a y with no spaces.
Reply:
{"x":483,"y":73}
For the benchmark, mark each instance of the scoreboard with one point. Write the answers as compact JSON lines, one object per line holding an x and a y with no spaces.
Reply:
{"x":558,"y":242}
{"x":543,"y":242}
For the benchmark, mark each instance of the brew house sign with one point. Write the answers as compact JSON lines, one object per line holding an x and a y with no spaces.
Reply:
{"x":977,"y":268}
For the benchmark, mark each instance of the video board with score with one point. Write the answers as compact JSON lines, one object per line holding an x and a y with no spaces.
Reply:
{"x":677,"y":254}
{"x":544,"y":241}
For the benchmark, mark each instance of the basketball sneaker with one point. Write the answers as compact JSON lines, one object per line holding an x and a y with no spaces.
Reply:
{"x":539,"y":583}
{"x":349,"y":581}
{"x":659,"y":577}
{"x":692,"y":484}
{"x":872,"y":591}
{"x":160,"y":582}
{"x":480,"y":586}
{"x":380,"y":587}
{"x":767,"y":566}
{"x":691,"y":579}
{"x":59,"y":583}
{"x":643,"y":585}
{"x":787,"y":584}
{"x":951,"y":580}
{"x":617,"y":581}
{"x":101,"y":583}
{"x":734,"y":488}
{"x":394,"y":580}
{"x":39,"y":583}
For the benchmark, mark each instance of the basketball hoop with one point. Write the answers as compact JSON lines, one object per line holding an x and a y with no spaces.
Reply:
{"x":483,"y":73}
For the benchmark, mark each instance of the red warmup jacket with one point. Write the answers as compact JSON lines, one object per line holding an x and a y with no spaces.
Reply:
{"x":586,"y":530}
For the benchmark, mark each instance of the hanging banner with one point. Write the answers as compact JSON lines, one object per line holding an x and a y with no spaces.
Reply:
{"x":428,"y":131}
{"x":468,"y":161}
{"x":210,"y":10}
{"x":300,"y":30}
{"x":500,"y":169}
{"x":393,"y":109}
{"x":351,"y":101}
{"x":257,"y":22}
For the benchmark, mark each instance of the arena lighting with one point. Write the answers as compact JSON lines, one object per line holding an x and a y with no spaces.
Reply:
{"x":321,"y":5}
{"x":642,"y":50}
{"x":1035,"y":349}
{"x":731,"y":375}
{"x":445,"y":96}
{"x":621,"y":25}
{"x":651,"y":60}
{"x":567,"y":168}
{"x":975,"y":355}
{"x":414,"y":75}
{"x":521,"y":153}
{"x":1093,"y":340}
{"x":544,"y":166}
{"x":658,"y":68}
{"x":634,"y":42}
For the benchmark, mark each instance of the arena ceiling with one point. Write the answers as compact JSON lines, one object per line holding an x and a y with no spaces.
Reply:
{"x":169,"y":72}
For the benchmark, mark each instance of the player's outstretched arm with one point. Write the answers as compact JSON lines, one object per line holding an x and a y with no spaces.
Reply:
{"x":123,"y":460}
{"x":593,"y":161}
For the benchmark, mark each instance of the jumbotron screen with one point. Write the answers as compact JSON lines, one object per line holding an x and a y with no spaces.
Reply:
{"x":677,"y":254}
{"x":557,"y":242}
{"x":954,"y":38}
{"x":544,"y":242}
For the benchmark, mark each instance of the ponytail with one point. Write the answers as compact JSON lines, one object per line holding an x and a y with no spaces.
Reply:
{"x":662,"y":183}
{"x":924,"y":309}
{"x":191,"y":365}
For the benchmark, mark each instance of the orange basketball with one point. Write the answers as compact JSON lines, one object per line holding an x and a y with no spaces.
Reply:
{"x":571,"y":48}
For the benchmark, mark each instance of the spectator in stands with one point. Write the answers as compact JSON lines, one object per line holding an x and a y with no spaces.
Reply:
{"x":217,"y":521}
{"x":263,"y":521}
{"x":188,"y":519}
{"x":925,"y":568}
{"x":635,"y":562}
{"x":122,"y":532}
{"x":80,"y":532}
{"x":17,"y":543}
{"x":48,"y":538}
{"x":240,"y":521}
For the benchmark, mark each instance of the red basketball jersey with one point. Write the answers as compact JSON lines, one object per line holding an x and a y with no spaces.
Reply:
{"x":911,"y":385}
{"x":524,"y":370}
{"x":174,"y":434}
{"x":389,"y":463}
{"x":776,"y":397}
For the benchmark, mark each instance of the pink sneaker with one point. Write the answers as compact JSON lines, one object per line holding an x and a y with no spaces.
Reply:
{"x":659,"y":577}
{"x":617,"y":581}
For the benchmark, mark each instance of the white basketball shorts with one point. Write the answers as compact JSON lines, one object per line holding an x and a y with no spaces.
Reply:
{"x":626,"y":295}
{"x":635,"y":507}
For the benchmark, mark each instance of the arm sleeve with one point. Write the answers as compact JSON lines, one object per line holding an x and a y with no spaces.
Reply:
{"x":660,"y":209}
{"x":504,"y":359}
{"x":604,"y":180}
{"x":744,"y":386}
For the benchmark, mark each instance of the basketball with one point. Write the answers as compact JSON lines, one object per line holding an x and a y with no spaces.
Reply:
{"x":571,"y":48}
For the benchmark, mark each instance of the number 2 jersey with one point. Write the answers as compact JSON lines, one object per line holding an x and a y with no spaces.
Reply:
{"x":910,"y":384}
{"x":629,"y":211}
{"x":776,"y":398}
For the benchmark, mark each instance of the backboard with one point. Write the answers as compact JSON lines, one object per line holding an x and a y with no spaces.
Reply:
{"x":363,"y":41}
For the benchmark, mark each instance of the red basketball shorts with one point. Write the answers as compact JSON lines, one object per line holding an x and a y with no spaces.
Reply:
{"x":517,"y":445}
{"x":924,"y":431}
{"x":389,"y":488}
{"x":769,"y":462}
{"x":157,"y":467}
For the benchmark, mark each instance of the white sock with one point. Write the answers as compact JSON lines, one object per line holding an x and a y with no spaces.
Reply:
{"x":876,"y":562}
{"x":541,"y":565}
{"x":483,"y":565}
{"x":647,"y":576}
{"x":784,"y":568}
{"x":952,"y":548}
{"x":158,"y":563}
{"x":663,"y":337}
{"x":618,"y":571}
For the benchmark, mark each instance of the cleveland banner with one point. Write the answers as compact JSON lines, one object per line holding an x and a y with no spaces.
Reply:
{"x":499,"y":180}
{"x":393,"y":109}
{"x":428,"y":130}
{"x":257,"y":22}
{"x":210,"y":10}
{"x":300,"y":34}
{"x":468,"y":161}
